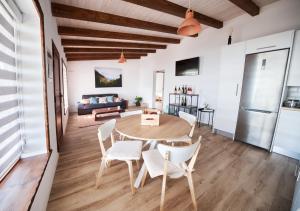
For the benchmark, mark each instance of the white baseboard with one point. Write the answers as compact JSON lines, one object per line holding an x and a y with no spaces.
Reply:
{"x":285,"y":152}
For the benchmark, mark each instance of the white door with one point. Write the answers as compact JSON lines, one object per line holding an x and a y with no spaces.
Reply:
{"x":159,"y":89}
{"x":230,"y":84}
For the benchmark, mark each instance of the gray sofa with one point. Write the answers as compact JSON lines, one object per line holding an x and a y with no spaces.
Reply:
{"x":88,"y":108}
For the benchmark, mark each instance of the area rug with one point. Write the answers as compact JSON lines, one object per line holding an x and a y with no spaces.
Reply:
{"x":88,"y":120}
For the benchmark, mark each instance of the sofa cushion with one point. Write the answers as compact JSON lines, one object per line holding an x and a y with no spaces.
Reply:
{"x":93,"y":100}
{"x":102,"y":100}
{"x":117,"y":99}
{"x":110,"y":99}
{"x":85,"y":101}
{"x":98,"y":95}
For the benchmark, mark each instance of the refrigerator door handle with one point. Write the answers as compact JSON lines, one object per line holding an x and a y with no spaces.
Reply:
{"x":237,"y":90}
{"x":257,"y":110}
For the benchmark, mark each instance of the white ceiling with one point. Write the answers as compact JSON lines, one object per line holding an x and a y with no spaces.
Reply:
{"x":222,"y":10}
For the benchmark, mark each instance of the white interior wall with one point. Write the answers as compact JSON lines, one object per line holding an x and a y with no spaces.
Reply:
{"x":81,"y":80}
{"x":279,"y":16}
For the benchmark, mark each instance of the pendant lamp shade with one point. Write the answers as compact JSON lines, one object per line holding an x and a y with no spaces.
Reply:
{"x":122,"y":58}
{"x":190,"y":25}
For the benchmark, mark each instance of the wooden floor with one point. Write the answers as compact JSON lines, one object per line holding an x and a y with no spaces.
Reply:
{"x":228,"y":176}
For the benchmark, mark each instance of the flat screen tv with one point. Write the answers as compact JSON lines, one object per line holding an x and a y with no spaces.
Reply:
{"x":188,"y":67}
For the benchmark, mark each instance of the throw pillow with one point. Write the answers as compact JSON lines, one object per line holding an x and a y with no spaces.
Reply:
{"x":110,"y":99}
{"x":93,"y":100}
{"x":102,"y":100}
{"x":117,"y":99}
{"x":85,"y":101}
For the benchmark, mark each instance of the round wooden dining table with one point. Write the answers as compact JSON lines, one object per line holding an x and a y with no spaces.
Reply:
{"x":170,"y":127}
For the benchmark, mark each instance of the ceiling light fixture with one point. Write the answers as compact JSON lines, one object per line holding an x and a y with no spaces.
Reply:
{"x":122,"y":58}
{"x":190,"y":25}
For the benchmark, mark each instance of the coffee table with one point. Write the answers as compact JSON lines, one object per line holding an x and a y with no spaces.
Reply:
{"x":105,"y":112}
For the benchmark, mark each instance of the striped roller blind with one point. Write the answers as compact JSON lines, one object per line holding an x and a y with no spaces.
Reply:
{"x":10,"y":131}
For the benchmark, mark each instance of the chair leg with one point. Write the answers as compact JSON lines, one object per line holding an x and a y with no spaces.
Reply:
{"x":100,"y":173}
{"x":129,"y":163}
{"x":144,"y":178}
{"x":173,"y":144}
{"x":137,"y":164}
{"x":191,"y":185}
{"x":123,"y":138}
{"x":163,"y":192}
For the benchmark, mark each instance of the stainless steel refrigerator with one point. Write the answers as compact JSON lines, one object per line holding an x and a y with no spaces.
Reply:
{"x":260,"y":98}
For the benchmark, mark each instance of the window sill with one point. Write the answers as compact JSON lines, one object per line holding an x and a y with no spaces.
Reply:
{"x":18,"y":188}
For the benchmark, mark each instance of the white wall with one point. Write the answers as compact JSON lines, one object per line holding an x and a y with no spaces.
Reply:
{"x":279,"y":16}
{"x":81,"y":80}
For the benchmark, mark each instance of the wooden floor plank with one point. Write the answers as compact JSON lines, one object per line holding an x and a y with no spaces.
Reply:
{"x":228,"y":175}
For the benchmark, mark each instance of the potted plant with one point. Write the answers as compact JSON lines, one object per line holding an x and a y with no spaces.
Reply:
{"x":138,"y":100}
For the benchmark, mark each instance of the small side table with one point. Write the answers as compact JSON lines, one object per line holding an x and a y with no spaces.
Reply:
{"x":210,"y":112}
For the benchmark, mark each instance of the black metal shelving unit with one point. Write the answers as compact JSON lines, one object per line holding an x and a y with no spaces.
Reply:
{"x":175,"y":101}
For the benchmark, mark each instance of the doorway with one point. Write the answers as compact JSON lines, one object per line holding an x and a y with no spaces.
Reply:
{"x":57,"y":95}
{"x":159,"y":79}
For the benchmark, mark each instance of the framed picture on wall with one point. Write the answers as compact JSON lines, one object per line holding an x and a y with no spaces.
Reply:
{"x":49,"y":65}
{"x":108,"y":77}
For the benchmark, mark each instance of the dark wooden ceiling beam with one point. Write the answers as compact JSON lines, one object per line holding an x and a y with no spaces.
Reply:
{"x":101,"y":58}
{"x":89,"y":55}
{"x":72,"y":31}
{"x":177,"y":10}
{"x":65,"y":11}
{"x":247,"y":5}
{"x":73,"y":42}
{"x":107,"y":50}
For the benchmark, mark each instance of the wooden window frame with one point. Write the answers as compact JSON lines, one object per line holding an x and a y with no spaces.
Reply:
{"x":41,"y":16}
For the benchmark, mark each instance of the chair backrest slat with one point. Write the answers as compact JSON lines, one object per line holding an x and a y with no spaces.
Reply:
{"x":130,"y":113}
{"x":178,"y":155}
{"x":191,"y":119}
{"x":105,"y":130}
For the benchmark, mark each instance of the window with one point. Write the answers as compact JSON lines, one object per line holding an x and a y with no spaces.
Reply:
{"x":11,"y":141}
{"x":65,"y":88}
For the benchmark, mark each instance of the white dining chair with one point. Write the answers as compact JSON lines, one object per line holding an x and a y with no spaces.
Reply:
{"x":120,"y":150}
{"x":129,"y":113}
{"x":171,"y":161}
{"x":192,"y":120}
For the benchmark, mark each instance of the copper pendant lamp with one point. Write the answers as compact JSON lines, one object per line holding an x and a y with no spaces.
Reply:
{"x":122,"y":58}
{"x":190,"y":25}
